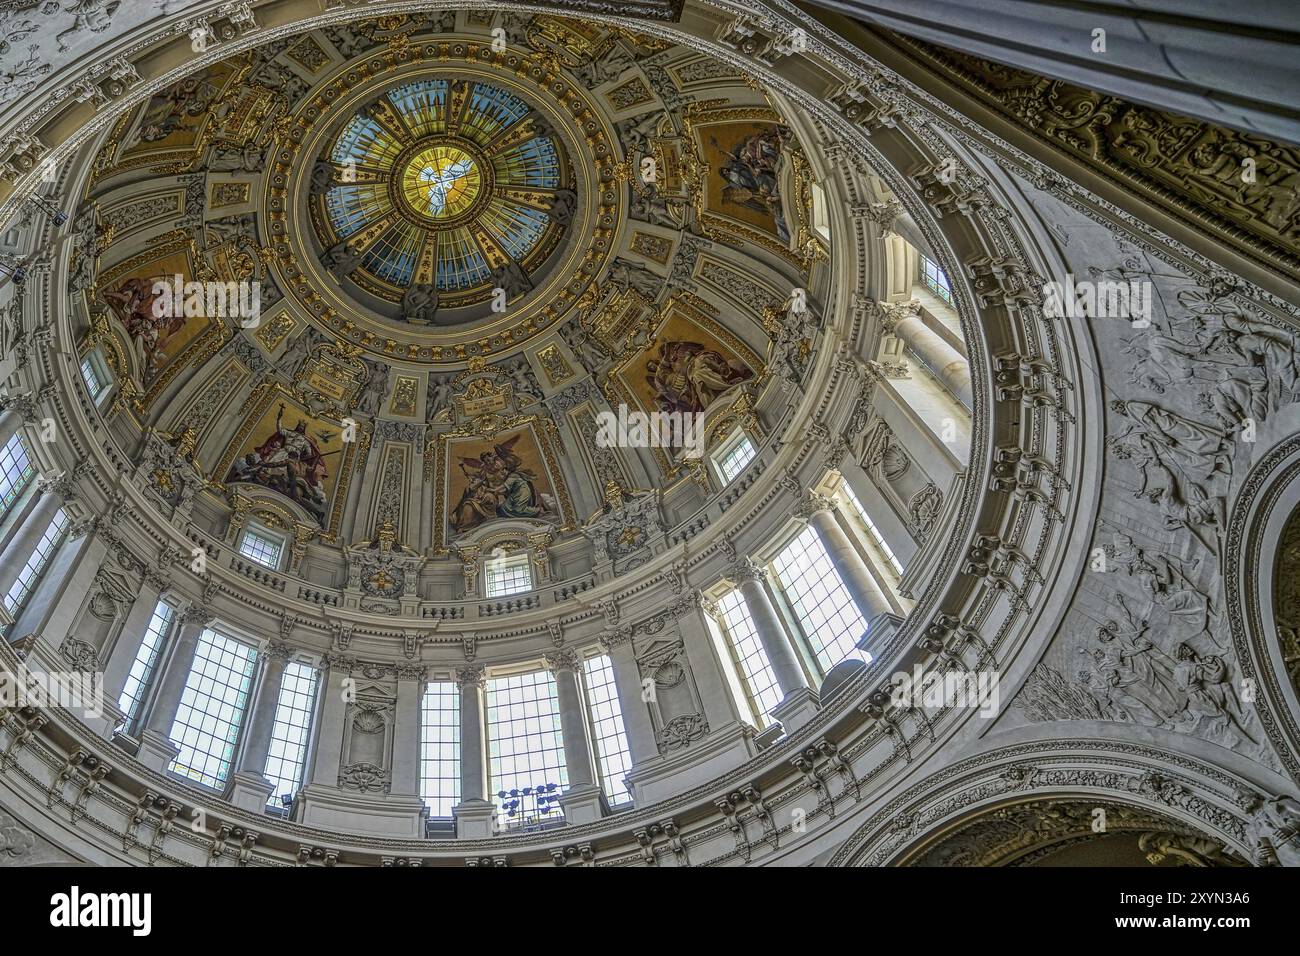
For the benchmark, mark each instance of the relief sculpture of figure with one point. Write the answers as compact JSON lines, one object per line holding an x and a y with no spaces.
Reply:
{"x":1273,"y":828}
{"x":1142,"y":668}
{"x":1211,"y":699}
{"x":420,"y":303}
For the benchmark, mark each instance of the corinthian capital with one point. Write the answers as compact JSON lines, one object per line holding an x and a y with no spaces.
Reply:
{"x":471,"y":675}
{"x":197,"y":614}
{"x":62,"y":486}
{"x":615,"y":637}
{"x":883,"y":214}
{"x":562,"y":660}
{"x":746,"y":569}
{"x":24,"y":405}
{"x":814,"y":504}
{"x":892,"y":313}
{"x":279,"y":651}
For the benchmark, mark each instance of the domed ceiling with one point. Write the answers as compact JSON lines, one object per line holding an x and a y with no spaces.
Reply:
{"x":472,"y":234}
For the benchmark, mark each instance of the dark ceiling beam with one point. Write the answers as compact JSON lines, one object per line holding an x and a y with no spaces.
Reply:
{"x":1231,"y":62}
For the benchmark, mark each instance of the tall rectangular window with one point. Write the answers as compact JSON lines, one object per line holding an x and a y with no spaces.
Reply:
{"x":15,"y":473}
{"x":734,"y":455}
{"x":145,"y":664}
{"x":872,"y":531}
{"x":289,"y":734}
{"x":508,"y":575}
{"x":830,"y":619}
{"x":751,"y":659}
{"x":608,"y":732}
{"x":526,"y":767}
{"x":212,"y":708}
{"x":440,"y":747}
{"x":30,"y":575}
{"x":934,"y":278}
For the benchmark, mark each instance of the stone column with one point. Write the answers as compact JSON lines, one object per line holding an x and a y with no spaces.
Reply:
{"x":641,"y":743}
{"x":118,"y":666}
{"x":819,"y":511}
{"x":53,"y":492}
{"x":66,"y":581}
{"x":328,"y":756}
{"x":10,"y":420}
{"x":45,"y":626}
{"x":799,"y":703}
{"x":887,"y":522}
{"x":475,"y":813}
{"x":156,"y":748}
{"x":250,"y":788}
{"x":406,"y":735}
{"x":719,"y":705}
{"x":903,"y":319}
{"x":582,"y":798}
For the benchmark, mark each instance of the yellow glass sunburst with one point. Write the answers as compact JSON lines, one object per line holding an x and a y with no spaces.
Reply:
{"x":441,"y":182}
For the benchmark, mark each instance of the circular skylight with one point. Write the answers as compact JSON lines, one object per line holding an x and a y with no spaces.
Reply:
{"x":441,"y":183}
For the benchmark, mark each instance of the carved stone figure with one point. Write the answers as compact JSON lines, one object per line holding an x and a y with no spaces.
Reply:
{"x":1211,"y":699}
{"x":342,"y":260}
{"x":1273,"y":829}
{"x":636,"y":132}
{"x":649,"y":207}
{"x":1186,"y":850}
{"x":614,"y":64}
{"x":231,"y":227}
{"x":1138,"y":676}
{"x":322,"y":177}
{"x":248,"y":158}
{"x":585,"y":349}
{"x":371,"y":399}
{"x":87,"y":231}
{"x":625,"y":274}
{"x":438,"y":395}
{"x":296,"y":352}
{"x":1182,"y":464}
{"x":511,"y":277}
{"x":14,"y":840}
{"x":420,"y":303}
{"x":563,"y":205}
{"x":93,"y":16}
{"x":523,"y":379}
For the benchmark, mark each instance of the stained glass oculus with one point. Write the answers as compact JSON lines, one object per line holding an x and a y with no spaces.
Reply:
{"x":442,"y":186}
{"x":441,"y":182}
